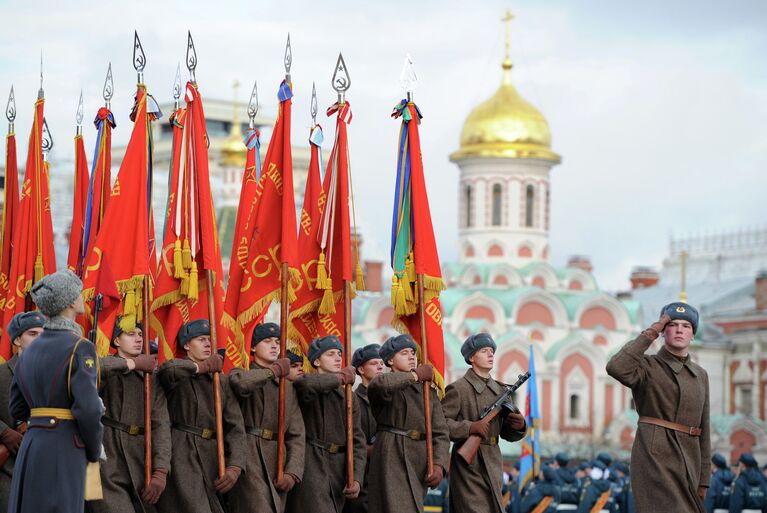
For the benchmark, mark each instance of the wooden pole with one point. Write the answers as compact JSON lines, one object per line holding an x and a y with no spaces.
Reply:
{"x":427,"y":384}
{"x":148,"y":399}
{"x":216,"y":376}
{"x":283,"y":349}
{"x":348,"y":388}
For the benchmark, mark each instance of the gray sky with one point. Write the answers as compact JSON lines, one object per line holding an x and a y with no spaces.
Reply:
{"x":658,"y":108}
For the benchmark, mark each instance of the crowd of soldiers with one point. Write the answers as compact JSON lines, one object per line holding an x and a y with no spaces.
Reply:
{"x":64,"y":409}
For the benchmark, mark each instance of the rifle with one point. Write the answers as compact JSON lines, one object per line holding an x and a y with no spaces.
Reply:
{"x":468,"y":451}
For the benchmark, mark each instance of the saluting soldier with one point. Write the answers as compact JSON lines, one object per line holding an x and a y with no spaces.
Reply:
{"x":257,"y":390}
{"x":22,"y":330}
{"x":323,"y":405}
{"x":193,"y":484}
{"x":54,"y":390}
{"x":368,"y":365}
{"x":398,"y":465}
{"x":480,"y":484}
{"x":671,"y":451}
{"x":122,"y":390}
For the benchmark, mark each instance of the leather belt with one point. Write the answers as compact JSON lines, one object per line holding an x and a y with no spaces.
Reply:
{"x":689,"y":430}
{"x":492,"y":441}
{"x":264,"y":434}
{"x":205,"y":433}
{"x":131,"y":429}
{"x":56,"y":413}
{"x":412,"y":434}
{"x":326,"y":446}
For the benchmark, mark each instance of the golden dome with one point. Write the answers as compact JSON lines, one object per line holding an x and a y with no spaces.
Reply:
{"x":233,"y":150}
{"x":506,"y":125}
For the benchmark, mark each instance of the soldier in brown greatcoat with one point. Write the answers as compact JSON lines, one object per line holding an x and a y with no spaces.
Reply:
{"x":257,"y":391}
{"x":22,"y":330}
{"x":368,"y":365}
{"x":122,"y":390}
{"x":671,"y":452}
{"x":193,"y":484}
{"x":321,"y":397}
{"x":398,"y":465}
{"x":478,"y":486}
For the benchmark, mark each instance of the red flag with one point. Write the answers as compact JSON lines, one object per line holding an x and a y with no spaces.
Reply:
{"x":33,"y":254}
{"x":126,"y":239}
{"x":268,"y":238}
{"x":101,"y":178}
{"x":75,"y":260}
{"x":10,"y":218}
{"x":181,"y":293}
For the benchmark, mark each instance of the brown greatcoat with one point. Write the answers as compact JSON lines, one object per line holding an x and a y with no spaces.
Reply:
{"x":258,"y":394}
{"x":360,"y":504}
{"x":194,"y":465}
{"x":122,"y":474}
{"x":667,"y":466}
{"x":477,"y":486}
{"x":324,"y":410}
{"x":398,"y":464}
{"x":6,"y":472}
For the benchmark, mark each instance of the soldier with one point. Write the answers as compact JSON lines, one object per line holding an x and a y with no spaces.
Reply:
{"x":398,"y":465}
{"x":122,"y":390}
{"x":568,"y":484}
{"x":22,"y":330}
{"x":750,"y":492}
{"x":258,"y":391}
{"x":598,"y":495}
{"x":323,"y":405}
{"x":671,"y":451}
{"x":544,"y":495}
{"x":515,"y":497}
{"x":296,"y":366}
{"x":368,"y":364}
{"x":478,"y":485}
{"x":625,"y":499}
{"x":194,"y":485}
{"x":718,"y":496}
{"x":54,"y":391}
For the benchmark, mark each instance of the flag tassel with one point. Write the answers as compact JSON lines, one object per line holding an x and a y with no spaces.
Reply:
{"x":178,"y":261}
{"x":359,"y":278}
{"x":39,"y":269}
{"x":398,"y":294}
{"x":328,"y":305}
{"x":187,"y":255}
{"x":323,"y":282}
{"x":194,"y":287}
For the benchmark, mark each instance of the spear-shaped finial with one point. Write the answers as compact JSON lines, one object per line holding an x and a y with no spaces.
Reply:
{"x":341,"y":80}
{"x":40,"y":92}
{"x":253,"y":106}
{"x":10,"y":110}
{"x":408,"y":79}
{"x":314,"y":105}
{"x":80,"y":114}
{"x":288,"y":59}
{"x":177,"y":87}
{"x":191,"y":57}
{"x":47,"y":142}
{"x":139,"y":57}
{"x":109,"y":88}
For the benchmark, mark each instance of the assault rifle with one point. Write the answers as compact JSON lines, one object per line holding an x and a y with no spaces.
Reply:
{"x":468,"y":451}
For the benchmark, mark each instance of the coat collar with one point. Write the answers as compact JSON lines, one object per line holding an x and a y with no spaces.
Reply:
{"x":362,"y":393}
{"x":675,"y":365}
{"x":12,"y":363}
{"x":479,"y":384}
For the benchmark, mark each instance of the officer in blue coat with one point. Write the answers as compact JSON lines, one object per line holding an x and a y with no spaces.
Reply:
{"x":718,"y":495}
{"x":543,"y":495}
{"x":568,"y":484}
{"x":750,"y":491}
{"x":54,"y":390}
{"x":599,"y":493}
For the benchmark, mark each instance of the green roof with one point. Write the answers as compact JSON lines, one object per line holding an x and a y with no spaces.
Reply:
{"x":551,"y":354}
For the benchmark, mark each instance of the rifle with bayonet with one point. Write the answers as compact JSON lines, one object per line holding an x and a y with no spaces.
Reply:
{"x":468,"y":451}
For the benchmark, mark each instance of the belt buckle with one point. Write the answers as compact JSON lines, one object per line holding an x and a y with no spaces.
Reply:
{"x":414,"y":435}
{"x":333,"y":448}
{"x":493,"y":440}
{"x":133,"y":430}
{"x":691,"y":430}
{"x":267,"y":434}
{"x":207,"y":433}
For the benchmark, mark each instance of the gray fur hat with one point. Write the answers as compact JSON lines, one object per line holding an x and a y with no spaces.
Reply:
{"x":56,"y":292}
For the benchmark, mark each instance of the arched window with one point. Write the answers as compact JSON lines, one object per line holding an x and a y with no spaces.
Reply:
{"x":469,"y":206}
{"x":529,"y":201}
{"x":575,"y":407}
{"x":497,"y":204}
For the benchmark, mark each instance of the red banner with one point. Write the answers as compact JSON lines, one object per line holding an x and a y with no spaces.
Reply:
{"x":75,"y":259}
{"x":101,"y":179}
{"x":10,"y":217}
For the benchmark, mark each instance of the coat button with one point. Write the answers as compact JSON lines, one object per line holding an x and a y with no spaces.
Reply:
{"x":53,"y":421}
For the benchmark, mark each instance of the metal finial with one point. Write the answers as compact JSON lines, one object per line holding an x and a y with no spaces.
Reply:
{"x":47,"y":142}
{"x":40,"y":92}
{"x":191,"y":57}
{"x":288,"y":58}
{"x":109,"y":87}
{"x":253,"y":106}
{"x":177,"y":87}
{"x":139,"y":57}
{"x":80,"y":114}
{"x":314,"y":104}
{"x":341,"y":79}
{"x":10,"y":110}
{"x":408,"y":78}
